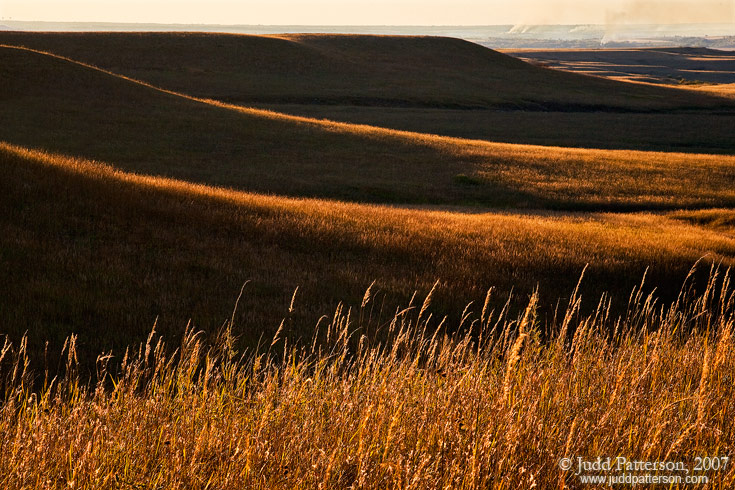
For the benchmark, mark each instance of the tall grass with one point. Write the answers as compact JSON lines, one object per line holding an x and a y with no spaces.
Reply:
{"x":494,"y":404}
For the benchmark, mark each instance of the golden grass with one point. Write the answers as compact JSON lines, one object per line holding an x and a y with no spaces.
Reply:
{"x":492,"y":406}
{"x":439,"y":394}
{"x":93,"y":250}
{"x":77,"y":109}
{"x":718,"y":219}
{"x":659,"y":131}
{"x":724,"y":90}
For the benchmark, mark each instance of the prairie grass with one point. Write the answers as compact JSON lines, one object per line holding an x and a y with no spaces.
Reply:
{"x":167,"y":217}
{"x":682,"y":132}
{"x":492,"y":405}
{"x":63,"y":106}
{"x":718,"y":219}
{"x":168,"y":210}
{"x":724,"y":90}
{"x":89,"y":249}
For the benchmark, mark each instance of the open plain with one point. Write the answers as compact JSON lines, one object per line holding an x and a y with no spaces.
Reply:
{"x":332,"y":261}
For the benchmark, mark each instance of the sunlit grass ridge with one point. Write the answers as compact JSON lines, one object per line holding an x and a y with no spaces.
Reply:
{"x":83,"y":224}
{"x":73,"y":108}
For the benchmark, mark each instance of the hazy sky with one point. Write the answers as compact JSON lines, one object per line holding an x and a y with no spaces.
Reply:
{"x":374,"y":12}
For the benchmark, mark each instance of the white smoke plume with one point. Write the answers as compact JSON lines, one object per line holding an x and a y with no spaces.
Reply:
{"x":618,"y":21}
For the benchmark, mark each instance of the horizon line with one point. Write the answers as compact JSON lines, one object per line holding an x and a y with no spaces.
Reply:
{"x":360,"y":25}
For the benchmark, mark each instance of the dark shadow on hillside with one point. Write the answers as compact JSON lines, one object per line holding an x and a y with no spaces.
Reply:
{"x":104,"y":258}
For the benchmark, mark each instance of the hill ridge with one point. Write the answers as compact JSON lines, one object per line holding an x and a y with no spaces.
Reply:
{"x":399,"y":71}
{"x":328,"y":123}
{"x":71,"y":233}
{"x":140,"y":128}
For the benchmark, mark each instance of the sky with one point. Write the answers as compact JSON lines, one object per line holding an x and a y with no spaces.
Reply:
{"x":373,"y":12}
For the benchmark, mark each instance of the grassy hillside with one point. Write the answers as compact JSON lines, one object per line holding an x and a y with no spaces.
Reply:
{"x":62,"y":106}
{"x":416,"y":338}
{"x":698,"y":132}
{"x":350,"y":69}
{"x":92,"y":250}
{"x":719,"y":219}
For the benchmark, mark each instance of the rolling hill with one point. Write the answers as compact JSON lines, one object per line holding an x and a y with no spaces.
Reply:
{"x":89,"y":249}
{"x":63,"y":106}
{"x":390,"y":71}
{"x":189,"y":301}
{"x":669,"y":132}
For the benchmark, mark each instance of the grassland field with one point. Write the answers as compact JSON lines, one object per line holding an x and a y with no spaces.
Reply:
{"x":105,"y":254}
{"x":429,"y":85}
{"x":79,"y":111}
{"x":366,"y":70}
{"x":684,"y":132}
{"x":337,"y":208}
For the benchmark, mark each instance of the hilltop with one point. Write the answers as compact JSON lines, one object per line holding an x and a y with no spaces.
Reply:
{"x":388,"y":71}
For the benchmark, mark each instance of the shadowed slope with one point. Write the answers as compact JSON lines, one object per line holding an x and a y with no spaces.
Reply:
{"x":669,"y":132}
{"x":89,"y":249}
{"x":351,"y":69}
{"x":60,"y":105}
